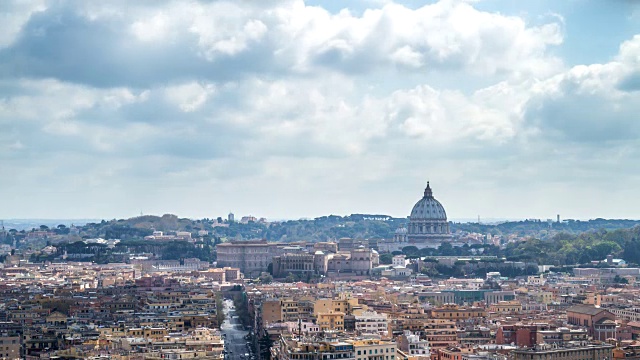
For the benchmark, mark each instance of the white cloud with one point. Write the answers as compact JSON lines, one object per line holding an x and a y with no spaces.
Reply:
{"x":287,"y":101}
{"x":189,"y":97}
{"x":176,"y":41}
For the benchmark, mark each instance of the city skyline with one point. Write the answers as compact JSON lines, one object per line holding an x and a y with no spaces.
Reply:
{"x":290,"y":109}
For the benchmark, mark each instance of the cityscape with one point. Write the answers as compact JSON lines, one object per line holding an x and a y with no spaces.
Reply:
{"x":430,"y":289}
{"x":319,"y":180}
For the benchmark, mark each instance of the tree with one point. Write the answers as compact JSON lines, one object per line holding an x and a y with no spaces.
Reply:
{"x":620,"y":280}
{"x":410,"y":250}
{"x":386,"y":259}
{"x":265,"y":278}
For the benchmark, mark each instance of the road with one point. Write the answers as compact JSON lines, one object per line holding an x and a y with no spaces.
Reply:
{"x":235,"y":344}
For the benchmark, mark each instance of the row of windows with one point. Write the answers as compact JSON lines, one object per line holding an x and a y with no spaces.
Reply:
{"x":375,"y":351}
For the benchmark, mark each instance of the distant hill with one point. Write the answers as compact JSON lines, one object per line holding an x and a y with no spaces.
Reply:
{"x":334,"y":227}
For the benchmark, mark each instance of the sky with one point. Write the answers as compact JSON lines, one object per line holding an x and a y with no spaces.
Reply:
{"x":291,"y":109}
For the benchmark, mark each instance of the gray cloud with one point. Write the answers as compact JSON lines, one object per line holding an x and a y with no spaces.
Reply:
{"x":277,"y":108}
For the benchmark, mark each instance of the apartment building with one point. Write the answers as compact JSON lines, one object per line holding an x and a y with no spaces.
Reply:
{"x":579,"y":352}
{"x":374,"y":349}
{"x":370,"y":322}
{"x":454,"y":312}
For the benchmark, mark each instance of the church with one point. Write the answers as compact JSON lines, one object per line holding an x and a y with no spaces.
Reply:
{"x":428,"y":226}
{"x":428,"y":221}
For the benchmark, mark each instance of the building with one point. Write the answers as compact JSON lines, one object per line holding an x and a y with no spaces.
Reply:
{"x":600,"y":323}
{"x":440,"y":333}
{"x":453,"y":353}
{"x":287,"y":349}
{"x":333,"y":321}
{"x":251,"y":257}
{"x":521,"y":335}
{"x":506,"y":307}
{"x":371,"y":322}
{"x":628,"y":352}
{"x":356,"y":262}
{"x":374,"y":349}
{"x":546,"y":352}
{"x":454,"y":312}
{"x":329,"y":305}
{"x":428,"y":226}
{"x":399,"y":260}
{"x":10,"y":346}
{"x":301,"y":265}
{"x":412,"y":345}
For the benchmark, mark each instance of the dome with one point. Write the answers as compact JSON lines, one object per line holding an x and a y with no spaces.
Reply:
{"x":428,"y":208}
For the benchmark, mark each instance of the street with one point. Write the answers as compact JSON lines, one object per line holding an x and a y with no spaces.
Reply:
{"x":236,"y":346}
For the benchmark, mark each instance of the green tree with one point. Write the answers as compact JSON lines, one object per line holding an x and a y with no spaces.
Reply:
{"x":265,"y":278}
{"x":386,"y":259}
{"x":291,"y":278}
{"x":411,"y":250}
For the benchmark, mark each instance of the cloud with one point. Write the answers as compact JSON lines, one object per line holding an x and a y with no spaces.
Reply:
{"x":154,"y":43}
{"x":290,"y":109}
{"x":590,"y":103}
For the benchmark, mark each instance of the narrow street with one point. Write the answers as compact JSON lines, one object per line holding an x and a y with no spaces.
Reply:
{"x":236,"y":345}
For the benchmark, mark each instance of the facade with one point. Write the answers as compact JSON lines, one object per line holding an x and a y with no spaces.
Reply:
{"x":369,"y":322}
{"x":329,"y":305}
{"x":301,"y":265}
{"x":454,"y":312}
{"x":506,"y":307}
{"x":454,"y":353}
{"x":548,"y":352}
{"x":333,"y":321}
{"x":412,"y":345}
{"x":428,"y":226}
{"x":374,"y":349}
{"x":357,"y":261}
{"x":600,"y":323}
{"x":251,"y":257}
{"x":10,"y":346}
{"x":399,"y":260}
{"x":291,"y":349}
{"x":440,"y":333}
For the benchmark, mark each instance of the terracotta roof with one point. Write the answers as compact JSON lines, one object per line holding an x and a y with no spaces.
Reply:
{"x":586,"y":309}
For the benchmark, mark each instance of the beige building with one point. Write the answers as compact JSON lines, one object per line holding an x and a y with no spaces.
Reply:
{"x":357,"y":261}
{"x":374,"y":349}
{"x":440,"y":333}
{"x":271,"y":312}
{"x":506,"y":307}
{"x":333,"y":305}
{"x":547,"y":352}
{"x":251,"y":257}
{"x":10,"y":347}
{"x":331,"y":321}
{"x":454,"y":312}
{"x":298,"y":264}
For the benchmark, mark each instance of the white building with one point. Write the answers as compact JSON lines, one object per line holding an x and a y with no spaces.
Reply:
{"x":414,"y":346}
{"x":371,"y":322}
{"x":399,"y":260}
{"x":308,"y":328}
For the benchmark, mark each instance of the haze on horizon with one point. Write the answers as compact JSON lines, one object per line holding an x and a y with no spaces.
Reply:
{"x":293,"y":109}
